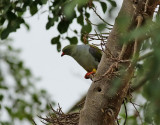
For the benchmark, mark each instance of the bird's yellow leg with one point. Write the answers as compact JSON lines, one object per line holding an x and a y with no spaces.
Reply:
{"x":89,"y":73}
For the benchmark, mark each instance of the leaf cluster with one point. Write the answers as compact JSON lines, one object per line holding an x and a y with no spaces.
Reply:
{"x":147,"y":71}
{"x":11,"y":14}
{"x":20,"y":100}
{"x":61,"y":13}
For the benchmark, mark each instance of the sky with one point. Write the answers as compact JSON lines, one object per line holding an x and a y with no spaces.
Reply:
{"x":63,"y":78}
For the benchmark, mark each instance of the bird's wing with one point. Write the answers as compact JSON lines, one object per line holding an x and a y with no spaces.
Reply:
{"x":95,"y":52}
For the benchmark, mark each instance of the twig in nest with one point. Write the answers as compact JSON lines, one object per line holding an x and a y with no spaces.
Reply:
{"x":59,"y":118}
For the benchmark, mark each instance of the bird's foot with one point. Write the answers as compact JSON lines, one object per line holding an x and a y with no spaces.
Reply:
{"x":88,"y":74}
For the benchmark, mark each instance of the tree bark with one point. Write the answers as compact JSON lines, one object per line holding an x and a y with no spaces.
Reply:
{"x":102,"y":105}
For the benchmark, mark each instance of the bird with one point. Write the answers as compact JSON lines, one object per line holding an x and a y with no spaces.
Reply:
{"x":88,"y":56}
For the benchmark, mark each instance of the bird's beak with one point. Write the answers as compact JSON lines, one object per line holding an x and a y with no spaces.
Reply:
{"x":62,"y":54}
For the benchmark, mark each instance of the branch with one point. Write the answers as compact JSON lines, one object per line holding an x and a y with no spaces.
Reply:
{"x":125,"y":113}
{"x":96,"y":24}
{"x":144,"y":78}
{"x":137,"y":112}
{"x":146,"y":6}
{"x":140,"y":82}
{"x":94,"y":9}
{"x":139,"y":20}
{"x":145,"y":56}
{"x":101,"y":106}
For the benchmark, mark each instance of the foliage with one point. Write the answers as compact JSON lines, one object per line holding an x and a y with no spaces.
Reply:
{"x":147,"y":70}
{"x":20,"y":100}
{"x":62,"y":13}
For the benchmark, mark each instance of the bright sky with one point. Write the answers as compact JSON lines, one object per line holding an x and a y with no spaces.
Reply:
{"x":63,"y":78}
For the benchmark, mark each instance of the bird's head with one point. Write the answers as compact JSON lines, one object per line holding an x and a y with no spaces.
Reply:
{"x":67,"y":50}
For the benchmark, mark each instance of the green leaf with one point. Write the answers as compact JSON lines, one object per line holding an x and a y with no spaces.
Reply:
{"x":11,"y":16}
{"x":2,"y":20}
{"x":72,"y":40}
{"x":18,"y":9}
{"x":13,"y":24}
{"x":43,"y":91}
{"x":104,"y":6}
{"x":148,"y":113}
{"x":1,"y":97}
{"x":80,"y":8}
{"x":20,"y":64}
{"x":27,"y":72}
{"x":4,"y":34}
{"x":50,"y":22}
{"x":101,"y":26}
{"x":58,"y":46}
{"x":75,"y":31}
{"x":86,"y":28}
{"x":9,"y":110}
{"x":63,"y":26}
{"x":27,"y":26}
{"x":69,"y":9}
{"x":35,"y":98}
{"x":4,"y":87}
{"x":6,"y":7}
{"x":55,"y":40}
{"x":44,"y":1}
{"x":113,"y":3}
{"x":33,"y":8}
{"x":80,"y":19}
{"x":87,"y":14}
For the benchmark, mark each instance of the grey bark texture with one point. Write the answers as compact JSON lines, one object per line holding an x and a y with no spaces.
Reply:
{"x":101,"y":106}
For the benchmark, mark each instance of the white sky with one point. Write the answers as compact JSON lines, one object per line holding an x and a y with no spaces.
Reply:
{"x":63,"y":78}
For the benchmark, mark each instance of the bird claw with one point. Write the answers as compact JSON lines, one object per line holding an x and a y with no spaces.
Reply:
{"x":88,"y":75}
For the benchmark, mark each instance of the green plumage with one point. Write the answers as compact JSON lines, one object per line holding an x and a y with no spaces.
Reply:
{"x":88,"y":56}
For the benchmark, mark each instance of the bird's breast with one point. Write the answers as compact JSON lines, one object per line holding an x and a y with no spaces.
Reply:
{"x":86,"y":60}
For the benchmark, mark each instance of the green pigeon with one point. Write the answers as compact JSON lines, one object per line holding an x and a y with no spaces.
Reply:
{"x":88,"y":56}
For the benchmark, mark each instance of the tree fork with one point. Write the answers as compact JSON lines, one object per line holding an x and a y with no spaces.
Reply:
{"x":101,"y":107}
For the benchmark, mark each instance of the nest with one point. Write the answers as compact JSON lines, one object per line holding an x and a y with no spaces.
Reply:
{"x":60,"y":118}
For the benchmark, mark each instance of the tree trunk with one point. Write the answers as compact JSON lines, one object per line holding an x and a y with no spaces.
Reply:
{"x":102,"y":103}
